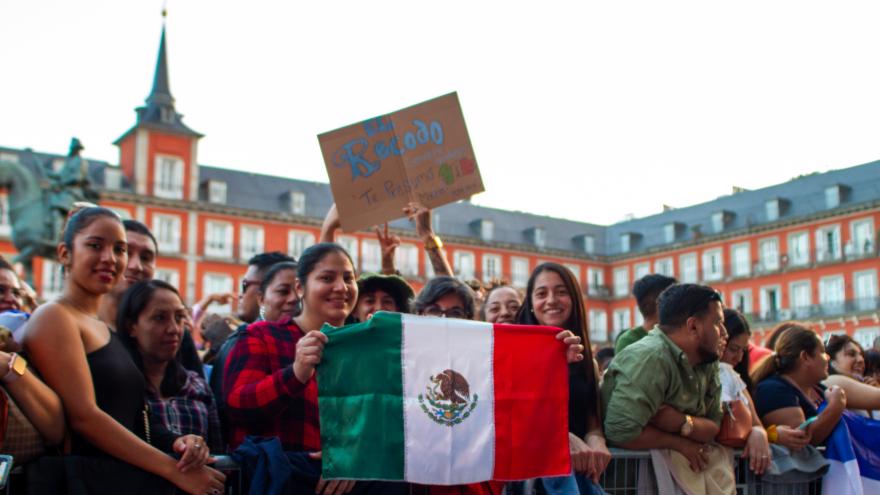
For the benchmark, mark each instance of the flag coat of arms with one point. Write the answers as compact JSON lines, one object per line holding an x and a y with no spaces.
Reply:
{"x":442,"y":401}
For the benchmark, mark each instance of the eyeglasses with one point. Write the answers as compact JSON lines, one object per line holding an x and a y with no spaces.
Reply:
{"x":455,"y":312}
{"x":247,"y":283}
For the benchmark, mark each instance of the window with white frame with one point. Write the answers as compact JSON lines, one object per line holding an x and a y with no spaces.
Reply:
{"x":217,"y":192}
{"x":519,"y":272}
{"x":862,"y":237}
{"x":669,"y":232}
{"x":713,"y":267}
{"x":595,"y":281}
{"x":297,"y":203}
{"x":770,"y":301}
{"x":491,"y":267}
{"x":218,"y":239}
{"x":429,"y":267}
{"x":371,"y":255}
{"x":718,"y":222}
{"x":638,"y":319}
{"x":688,"y":266}
{"x":800,"y":298}
{"x":217,"y":283}
{"x":539,"y":235}
{"x":298,"y":241}
{"x":625,"y":243}
{"x":252,"y":241}
{"x":350,"y":244}
{"x":832,"y":196}
{"x":167,"y":231}
{"x":621,"y":321}
{"x":799,"y":249}
{"x":168,"y":182}
{"x":407,"y":259}
{"x":5,"y":224}
{"x":742,"y":300}
{"x":170,"y":277}
{"x":828,"y":243}
{"x":865,"y":290}
{"x":772,"y":209}
{"x":113,"y":178}
{"x":588,"y":244}
{"x":575,"y":270}
{"x":487,"y":230}
{"x":866,"y":336}
{"x":640,"y":270}
{"x":741,"y":260}
{"x":621,"y":281}
{"x":664,"y":266}
{"x":768,"y":250}
{"x":53,"y":279}
{"x":464,"y":264}
{"x":598,"y":325}
{"x":832,"y":295}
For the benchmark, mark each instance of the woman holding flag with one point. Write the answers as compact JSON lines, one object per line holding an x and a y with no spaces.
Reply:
{"x":553,"y":298}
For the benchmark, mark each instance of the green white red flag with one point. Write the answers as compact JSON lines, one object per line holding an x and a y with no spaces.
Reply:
{"x":443,"y":401}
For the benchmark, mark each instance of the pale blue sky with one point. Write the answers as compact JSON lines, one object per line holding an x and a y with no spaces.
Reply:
{"x":583,"y":110}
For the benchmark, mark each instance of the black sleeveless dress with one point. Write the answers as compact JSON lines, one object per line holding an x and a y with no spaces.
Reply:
{"x":119,"y":391}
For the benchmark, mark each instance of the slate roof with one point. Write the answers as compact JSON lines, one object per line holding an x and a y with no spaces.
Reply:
{"x":805,"y":196}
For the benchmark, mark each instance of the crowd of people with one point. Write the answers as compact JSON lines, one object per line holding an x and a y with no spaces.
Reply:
{"x":117,"y":383}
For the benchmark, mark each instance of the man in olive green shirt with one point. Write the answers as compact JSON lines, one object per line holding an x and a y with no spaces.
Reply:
{"x":663,"y":391}
{"x":645,"y":290}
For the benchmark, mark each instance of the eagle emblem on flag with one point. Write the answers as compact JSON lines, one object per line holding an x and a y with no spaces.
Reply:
{"x":447,"y":399}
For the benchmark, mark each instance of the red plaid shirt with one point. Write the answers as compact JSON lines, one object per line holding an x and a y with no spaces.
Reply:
{"x":264,"y":397}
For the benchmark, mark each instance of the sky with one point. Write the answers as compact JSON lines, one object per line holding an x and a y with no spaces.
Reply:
{"x":591,"y":111}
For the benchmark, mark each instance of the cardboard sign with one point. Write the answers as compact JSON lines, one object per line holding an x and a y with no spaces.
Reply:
{"x":418,"y":154}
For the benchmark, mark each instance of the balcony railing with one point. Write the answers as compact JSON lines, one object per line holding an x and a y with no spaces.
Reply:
{"x":821,"y":310}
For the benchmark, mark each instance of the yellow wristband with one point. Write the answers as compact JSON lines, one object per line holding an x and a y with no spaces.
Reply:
{"x":772,"y":434}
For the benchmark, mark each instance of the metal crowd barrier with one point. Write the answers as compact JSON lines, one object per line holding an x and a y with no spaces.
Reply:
{"x":629,"y":473}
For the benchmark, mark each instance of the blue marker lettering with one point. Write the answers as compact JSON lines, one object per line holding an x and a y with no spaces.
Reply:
{"x":348,"y":155}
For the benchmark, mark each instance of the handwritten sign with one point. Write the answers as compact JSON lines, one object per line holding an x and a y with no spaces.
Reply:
{"x":418,"y":154}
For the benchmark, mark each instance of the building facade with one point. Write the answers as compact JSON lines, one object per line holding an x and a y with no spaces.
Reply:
{"x":806,"y":249}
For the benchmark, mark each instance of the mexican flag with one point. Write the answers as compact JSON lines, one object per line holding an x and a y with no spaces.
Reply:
{"x":443,"y":401}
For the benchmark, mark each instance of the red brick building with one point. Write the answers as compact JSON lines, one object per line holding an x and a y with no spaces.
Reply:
{"x":805,"y":249}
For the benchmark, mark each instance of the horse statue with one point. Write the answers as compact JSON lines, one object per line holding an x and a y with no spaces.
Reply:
{"x":39,"y":204}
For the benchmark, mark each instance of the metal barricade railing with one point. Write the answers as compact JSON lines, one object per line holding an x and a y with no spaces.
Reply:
{"x":632,"y":472}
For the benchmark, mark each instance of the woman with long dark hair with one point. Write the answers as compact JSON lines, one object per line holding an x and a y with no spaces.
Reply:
{"x":92,"y":372}
{"x":150,"y":318}
{"x":788,"y":385}
{"x":846,"y":369}
{"x":269,"y":372}
{"x":554,"y":298}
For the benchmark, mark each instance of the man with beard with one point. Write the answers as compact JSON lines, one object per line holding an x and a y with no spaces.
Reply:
{"x":663,"y":392}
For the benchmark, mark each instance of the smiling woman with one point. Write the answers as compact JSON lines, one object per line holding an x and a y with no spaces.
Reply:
{"x":87,"y":365}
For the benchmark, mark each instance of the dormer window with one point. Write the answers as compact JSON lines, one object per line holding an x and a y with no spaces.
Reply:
{"x":217,"y":192}
{"x":773,"y":209}
{"x":835,"y":195}
{"x":538,"y":236}
{"x":484,"y":228}
{"x":628,"y":241}
{"x":585,"y":243}
{"x":112,"y":178}
{"x":671,"y":231}
{"x":720,"y":220}
{"x":297,"y":203}
{"x":166,"y":115}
